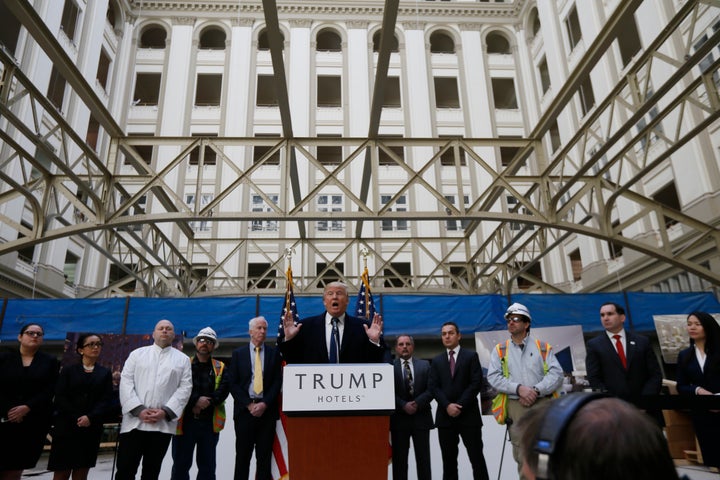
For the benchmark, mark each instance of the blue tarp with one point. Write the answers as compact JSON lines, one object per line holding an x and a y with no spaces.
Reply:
{"x":419,"y":315}
{"x":61,"y":316}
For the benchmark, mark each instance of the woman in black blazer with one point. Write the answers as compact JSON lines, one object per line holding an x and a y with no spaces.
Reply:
{"x":698,"y":373}
{"x":83,"y":400}
{"x":27,"y":384}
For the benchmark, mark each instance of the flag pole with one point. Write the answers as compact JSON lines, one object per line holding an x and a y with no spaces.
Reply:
{"x":365,"y":279}
{"x":289,"y":251}
{"x":281,"y":463}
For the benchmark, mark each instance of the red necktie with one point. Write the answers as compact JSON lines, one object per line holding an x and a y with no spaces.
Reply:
{"x":452,"y":363}
{"x":620,"y":350}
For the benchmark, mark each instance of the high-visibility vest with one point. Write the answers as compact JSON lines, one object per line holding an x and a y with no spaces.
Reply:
{"x":499,"y":404}
{"x":219,"y":412}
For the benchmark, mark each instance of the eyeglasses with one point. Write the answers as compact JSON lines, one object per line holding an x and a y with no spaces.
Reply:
{"x":206,"y":340}
{"x":33,"y":333}
{"x":93,"y":345}
{"x":515,"y":319}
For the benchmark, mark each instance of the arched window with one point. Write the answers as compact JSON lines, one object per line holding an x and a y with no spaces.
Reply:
{"x":394,"y":47}
{"x":497,"y":43}
{"x":110,"y":14}
{"x":441,"y":42}
{"x":328,"y":41}
{"x":535,"y":22}
{"x":153,"y":36}
{"x":264,"y":41}
{"x":212,"y":38}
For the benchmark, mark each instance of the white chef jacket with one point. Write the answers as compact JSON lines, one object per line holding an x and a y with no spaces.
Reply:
{"x":154,"y":377}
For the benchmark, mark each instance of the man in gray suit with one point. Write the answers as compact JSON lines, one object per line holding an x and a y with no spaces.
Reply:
{"x":412,"y":417}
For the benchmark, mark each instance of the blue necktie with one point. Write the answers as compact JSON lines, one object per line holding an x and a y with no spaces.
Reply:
{"x":334,"y":342}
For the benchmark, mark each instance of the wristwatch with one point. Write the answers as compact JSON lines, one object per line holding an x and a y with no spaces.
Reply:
{"x":536,"y":390}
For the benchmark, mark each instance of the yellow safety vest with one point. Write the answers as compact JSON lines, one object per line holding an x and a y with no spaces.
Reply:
{"x":219,"y":414}
{"x":499,"y":403}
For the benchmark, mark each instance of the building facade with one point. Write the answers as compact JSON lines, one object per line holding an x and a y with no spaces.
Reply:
{"x":188,"y":148}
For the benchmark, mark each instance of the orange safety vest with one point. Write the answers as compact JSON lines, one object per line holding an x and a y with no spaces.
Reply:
{"x":499,"y":404}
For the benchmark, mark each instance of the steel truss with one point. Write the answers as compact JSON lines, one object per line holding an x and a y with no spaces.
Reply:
{"x":131,"y":212}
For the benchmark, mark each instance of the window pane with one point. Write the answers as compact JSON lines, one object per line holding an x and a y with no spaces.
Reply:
{"x":504,"y":93}
{"x":446,"y":92}
{"x":147,"y":89}
{"x":329,"y":91}
{"x":208,"y":90}
{"x":572,"y":23}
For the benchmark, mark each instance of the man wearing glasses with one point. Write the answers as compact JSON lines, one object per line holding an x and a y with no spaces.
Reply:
{"x":525,"y":369}
{"x":204,"y":415}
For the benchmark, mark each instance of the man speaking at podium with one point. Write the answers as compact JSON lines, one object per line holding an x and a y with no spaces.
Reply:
{"x":334,"y":336}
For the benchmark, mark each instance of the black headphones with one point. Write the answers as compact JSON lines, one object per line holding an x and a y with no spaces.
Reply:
{"x":557,"y":417}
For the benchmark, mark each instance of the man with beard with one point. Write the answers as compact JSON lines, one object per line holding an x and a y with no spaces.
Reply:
{"x":413,"y":415}
{"x":204,"y":415}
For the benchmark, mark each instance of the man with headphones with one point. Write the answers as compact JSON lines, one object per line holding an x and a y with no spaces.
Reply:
{"x":590,"y":436}
{"x":523,"y":368}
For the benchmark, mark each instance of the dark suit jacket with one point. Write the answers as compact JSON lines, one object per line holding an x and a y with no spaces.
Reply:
{"x":33,"y":386}
{"x":422,"y":396}
{"x":463,"y":388}
{"x":690,"y":376}
{"x":706,"y":423}
{"x":240,"y":376}
{"x":81,"y":393}
{"x":606,"y":373}
{"x":310,"y":346}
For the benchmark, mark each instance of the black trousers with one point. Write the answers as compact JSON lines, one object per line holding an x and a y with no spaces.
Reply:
{"x":253,"y":433}
{"x":136,"y":445}
{"x":449,"y":438}
{"x":400,"y":448}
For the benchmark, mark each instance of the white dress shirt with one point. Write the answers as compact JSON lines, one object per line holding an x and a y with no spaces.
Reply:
{"x":623,"y":340}
{"x":328,"y":329}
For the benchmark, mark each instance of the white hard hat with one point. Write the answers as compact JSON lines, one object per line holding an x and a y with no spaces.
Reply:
{"x":207,"y":332}
{"x":518,"y":309}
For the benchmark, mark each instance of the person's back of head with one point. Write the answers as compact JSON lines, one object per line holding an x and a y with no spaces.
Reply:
{"x":607,"y":438}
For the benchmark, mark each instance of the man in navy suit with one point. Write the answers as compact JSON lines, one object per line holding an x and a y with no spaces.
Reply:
{"x":255,"y":381}
{"x":334,"y":336}
{"x":620,"y":362}
{"x":455,"y":381}
{"x":413,"y":416}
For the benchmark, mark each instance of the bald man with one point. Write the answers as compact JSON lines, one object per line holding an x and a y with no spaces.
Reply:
{"x":155,"y":385}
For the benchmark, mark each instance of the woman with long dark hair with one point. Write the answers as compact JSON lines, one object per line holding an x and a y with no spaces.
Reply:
{"x":83,"y":399}
{"x":27,"y":384}
{"x":698,"y":373}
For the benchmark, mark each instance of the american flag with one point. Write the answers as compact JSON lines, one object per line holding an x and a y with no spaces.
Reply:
{"x":289,"y":303}
{"x":280,"y":446}
{"x":365,"y":307}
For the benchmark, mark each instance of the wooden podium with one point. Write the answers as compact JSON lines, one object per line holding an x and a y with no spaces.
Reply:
{"x":338,"y":423}
{"x":354,"y":447}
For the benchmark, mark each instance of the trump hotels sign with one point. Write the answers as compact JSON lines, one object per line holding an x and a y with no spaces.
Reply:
{"x":327,"y":389}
